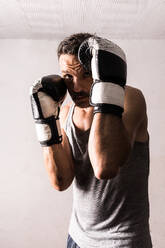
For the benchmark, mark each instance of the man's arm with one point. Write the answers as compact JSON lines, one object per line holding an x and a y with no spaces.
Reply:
{"x":111,"y":137}
{"x":114,"y":125}
{"x":47,"y":95}
{"x":58,"y":159}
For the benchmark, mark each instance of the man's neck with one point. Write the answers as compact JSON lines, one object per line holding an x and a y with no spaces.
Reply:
{"x":87,"y":110}
{"x":83,"y":117}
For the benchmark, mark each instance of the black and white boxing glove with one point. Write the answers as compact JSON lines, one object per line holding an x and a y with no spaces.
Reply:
{"x":47,"y":94}
{"x":107,"y":62}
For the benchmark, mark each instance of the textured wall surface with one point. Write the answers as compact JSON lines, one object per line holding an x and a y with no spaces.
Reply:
{"x":120,"y":19}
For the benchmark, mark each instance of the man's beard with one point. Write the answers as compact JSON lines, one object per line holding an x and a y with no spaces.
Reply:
{"x":81,"y":99}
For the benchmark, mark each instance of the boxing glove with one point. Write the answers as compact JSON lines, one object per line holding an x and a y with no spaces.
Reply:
{"x":47,"y":94}
{"x":107,"y":63}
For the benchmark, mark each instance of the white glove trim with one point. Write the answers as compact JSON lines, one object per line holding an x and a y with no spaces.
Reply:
{"x":109,"y":93}
{"x":43,"y":132}
{"x":35,"y":86}
{"x":98,"y":43}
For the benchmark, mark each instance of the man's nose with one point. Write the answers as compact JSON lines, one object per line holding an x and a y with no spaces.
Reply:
{"x":77,"y":84}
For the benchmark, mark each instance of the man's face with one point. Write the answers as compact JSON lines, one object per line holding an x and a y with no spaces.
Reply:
{"x":78,"y":81}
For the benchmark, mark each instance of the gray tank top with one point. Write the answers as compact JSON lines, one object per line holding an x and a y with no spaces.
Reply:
{"x":110,"y":213}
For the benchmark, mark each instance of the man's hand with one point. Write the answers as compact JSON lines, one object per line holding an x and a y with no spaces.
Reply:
{"x":107,"y":63}
{"x":47,"y":94}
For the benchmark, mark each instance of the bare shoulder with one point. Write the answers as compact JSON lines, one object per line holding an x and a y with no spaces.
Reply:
{"x":132,"y":92}
{"x":64,"y":113}
{"x":135,"y":116}
{"x":134,"y":100}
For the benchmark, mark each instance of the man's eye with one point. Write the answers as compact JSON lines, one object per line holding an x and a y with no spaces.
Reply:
{"x":87,"y":74}
{"x":68,"y":77}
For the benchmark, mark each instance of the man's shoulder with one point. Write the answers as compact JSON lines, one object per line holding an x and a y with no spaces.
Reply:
{"x":132,"y":91}
{"x":135,"y":114}
{"x":134,"y":98}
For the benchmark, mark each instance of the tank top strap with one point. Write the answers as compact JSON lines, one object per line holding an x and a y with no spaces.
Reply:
{"x":69,"y":121}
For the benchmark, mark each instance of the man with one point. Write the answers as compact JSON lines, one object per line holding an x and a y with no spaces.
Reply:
{"x":102,"y":145}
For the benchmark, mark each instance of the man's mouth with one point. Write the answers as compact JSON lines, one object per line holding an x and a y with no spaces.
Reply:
{"x":79,"y":96}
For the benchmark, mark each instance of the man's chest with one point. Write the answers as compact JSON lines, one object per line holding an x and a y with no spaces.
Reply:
{"x":82,"y":119}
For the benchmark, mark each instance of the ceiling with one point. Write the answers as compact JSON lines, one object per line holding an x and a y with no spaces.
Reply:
{"x":55,"y":19}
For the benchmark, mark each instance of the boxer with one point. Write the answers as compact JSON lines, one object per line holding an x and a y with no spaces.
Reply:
{"x":103,"y":145}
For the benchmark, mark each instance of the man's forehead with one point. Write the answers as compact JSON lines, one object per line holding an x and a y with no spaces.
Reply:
{"x":67,"y":62}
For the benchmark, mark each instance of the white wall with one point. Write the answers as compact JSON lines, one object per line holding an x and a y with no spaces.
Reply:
{"x":32,"y":214}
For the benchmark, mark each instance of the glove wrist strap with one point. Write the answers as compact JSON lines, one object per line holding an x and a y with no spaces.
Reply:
{"x":108,"y":109}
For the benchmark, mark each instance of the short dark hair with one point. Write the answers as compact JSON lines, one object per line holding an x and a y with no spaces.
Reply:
{"x":70,"y":45}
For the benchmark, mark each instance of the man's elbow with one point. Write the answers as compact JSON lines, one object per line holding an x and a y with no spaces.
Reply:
{"x":60,"y":185}
{"x":106,"y":173}
{"x":59,"y":188}
{"x":110,"y":169}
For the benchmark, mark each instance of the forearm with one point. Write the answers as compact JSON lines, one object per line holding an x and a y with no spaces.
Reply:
{"x":47,"y":95}
{"x":109,"y":145}
{"x":59,"y":165}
